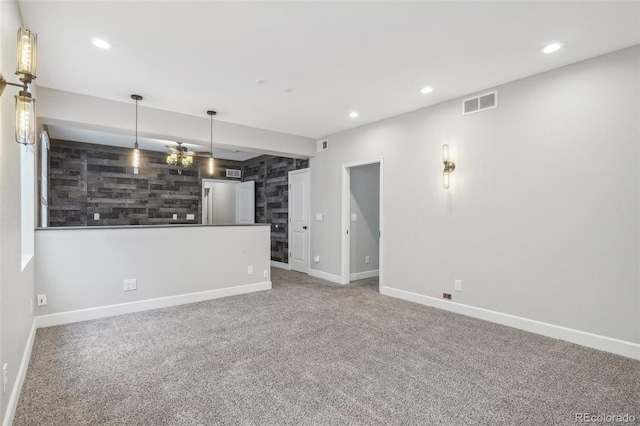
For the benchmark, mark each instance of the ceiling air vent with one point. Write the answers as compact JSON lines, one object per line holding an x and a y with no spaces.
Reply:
{"x":323,"y":145}
{"x":480,"y":103}
{"x":234,"y":173}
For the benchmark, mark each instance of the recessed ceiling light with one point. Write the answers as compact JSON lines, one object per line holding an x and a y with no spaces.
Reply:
{"x":426,"y":89}
{"x":97,"y":42}
{"x":354,"y":114}
{"x":553,"y":47}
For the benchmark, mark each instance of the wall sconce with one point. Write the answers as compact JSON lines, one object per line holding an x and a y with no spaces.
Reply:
{"x":449,"y":166}
{"x":26,"y":72}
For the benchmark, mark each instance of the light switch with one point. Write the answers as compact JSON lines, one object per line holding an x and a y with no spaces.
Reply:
{"x":319,"y":216}
{"x":354,"y":217}
{"x":191,"y":216}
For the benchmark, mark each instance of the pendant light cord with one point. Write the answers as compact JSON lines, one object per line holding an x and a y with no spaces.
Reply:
{"x":136,"y":145}
{"x":211,"y":147}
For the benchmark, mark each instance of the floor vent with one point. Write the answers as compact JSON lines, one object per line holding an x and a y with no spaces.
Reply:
{"x":234,"y":173}
{"x":480,"y":103}
{"x":323,"y":145}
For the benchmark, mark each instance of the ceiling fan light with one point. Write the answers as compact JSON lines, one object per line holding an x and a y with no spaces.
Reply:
{"x":172,"y":159}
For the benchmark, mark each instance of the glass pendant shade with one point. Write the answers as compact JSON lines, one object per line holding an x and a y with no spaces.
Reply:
{"x":25,"y":119}
{"x":211,"y":166}
{"x":26,"y":55}
{"x":136,"y":157}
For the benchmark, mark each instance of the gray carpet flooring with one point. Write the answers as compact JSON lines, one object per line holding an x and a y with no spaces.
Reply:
{"x":313,"y":353}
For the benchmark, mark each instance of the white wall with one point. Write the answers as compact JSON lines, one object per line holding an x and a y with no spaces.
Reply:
{"x":87,"y":112}
{"x":85,"y":268}
{"x":223,"y":202}
{"x":542,"y":220}
{"x":16,"y":284}
{"x":365,"y":204}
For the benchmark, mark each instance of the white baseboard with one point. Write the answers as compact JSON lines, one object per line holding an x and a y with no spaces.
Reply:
{"x":145,"y":305}
{"x":22,"y":373}
{"x":325,"y":276}
{"x":280,"y":265}
{"x":603,"y":343}
{"x":362,"y":275}
{"x":107,"y":311}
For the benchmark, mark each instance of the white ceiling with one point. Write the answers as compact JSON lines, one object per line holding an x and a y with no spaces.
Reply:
{"x":373,"y":57}
{"x":125,"y":141}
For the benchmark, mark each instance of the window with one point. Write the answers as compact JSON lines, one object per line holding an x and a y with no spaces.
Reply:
{"x":44,"y":180}
{"x":27,"y":202}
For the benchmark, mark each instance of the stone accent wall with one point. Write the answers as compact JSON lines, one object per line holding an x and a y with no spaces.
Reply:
{"x":85,"y":179}
{"x":271,"y":175}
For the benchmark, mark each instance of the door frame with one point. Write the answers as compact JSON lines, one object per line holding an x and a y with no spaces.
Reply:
{"x":290,"y":207}
{"x":229,"y":181}
{"x":346,"y":220}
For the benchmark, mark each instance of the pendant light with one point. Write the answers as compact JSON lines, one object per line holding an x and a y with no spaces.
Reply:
{"x":211,"y":167}
{"x":136,"y":151}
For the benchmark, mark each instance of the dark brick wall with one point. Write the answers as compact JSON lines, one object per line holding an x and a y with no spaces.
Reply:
{"x":85,"y":179}
{"x":271,"y":175}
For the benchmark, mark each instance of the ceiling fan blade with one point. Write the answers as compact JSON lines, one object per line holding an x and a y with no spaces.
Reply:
{"x":202,"y":153}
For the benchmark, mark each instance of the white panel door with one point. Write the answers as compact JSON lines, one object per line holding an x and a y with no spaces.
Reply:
{"x":245,"y":202}
{"x":299,"y":220}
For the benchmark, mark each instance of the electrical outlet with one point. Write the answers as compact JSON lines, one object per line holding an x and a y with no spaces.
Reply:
{"x":96,"y":216}
{"x":354,"y":217}
{"x":175,"y":216}
{"x":366,"y":259}
{"x":265,"y":273}
{"x":316,"y":259}
{"x":446,"y":296}
{"x":250,"y":270}
{"x":457,"y":284}
{"x":319,"y":216}
{"x":191,"y":216}
{"x":130,"y":284}
{"x":5,"y":377}
{"x":42,"y":300}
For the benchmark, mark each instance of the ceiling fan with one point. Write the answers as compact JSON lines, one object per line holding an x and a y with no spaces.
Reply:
{"x":179,"y":156}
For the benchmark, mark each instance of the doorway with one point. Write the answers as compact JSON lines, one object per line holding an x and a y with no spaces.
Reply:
{"x":362,"y":201}
{"x":299,"y":220}
{"x":227,"y":202}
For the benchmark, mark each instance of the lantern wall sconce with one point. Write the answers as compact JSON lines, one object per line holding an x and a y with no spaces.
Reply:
{"x":449,"y":167}
{"x":26,"y":72}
